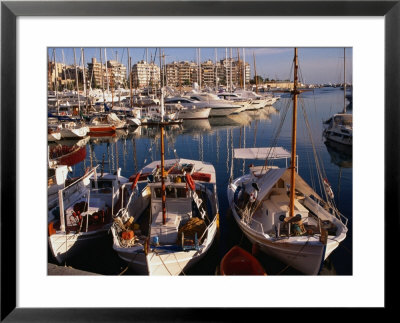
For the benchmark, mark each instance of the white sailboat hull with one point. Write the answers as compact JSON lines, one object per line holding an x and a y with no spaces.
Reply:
{"x":304,"y":253}
{"x":67,"y":133}
{"x":305,"y":256}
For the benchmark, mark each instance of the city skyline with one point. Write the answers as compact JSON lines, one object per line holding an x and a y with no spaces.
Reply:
{"x":318,"y":65}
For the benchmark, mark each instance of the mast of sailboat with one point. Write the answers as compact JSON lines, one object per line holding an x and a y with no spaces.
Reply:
{"x":244,"y":69}
{"x":163,"y":201}
{"x":295,"y":92}
{"x":85,"y":89}
{"x":255,"y":72}
{"x":76,"y":80}
{"x":239,"y":69}
{"x":64,"y":70}
{"x":130,"y":77}
{"x":102,"y":79}
{"x":231,"y":84}
{"x":216,"y":71}
{"x":226,"y":68}
{"x":105,"y":62}
{"x":344,"y":77}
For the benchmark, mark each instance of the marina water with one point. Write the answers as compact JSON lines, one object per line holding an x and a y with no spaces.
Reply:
{"x":212,"y":140}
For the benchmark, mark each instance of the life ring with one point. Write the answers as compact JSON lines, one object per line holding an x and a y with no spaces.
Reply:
{"x":190,"y":182}
{"x":135,"y":181}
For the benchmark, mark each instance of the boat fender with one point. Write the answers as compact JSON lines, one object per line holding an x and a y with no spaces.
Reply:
{"x":51,"y":229}
{"x":190,"y":182}
{"x":328,"y":188}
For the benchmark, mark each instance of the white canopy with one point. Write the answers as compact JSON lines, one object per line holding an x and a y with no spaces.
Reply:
{"x":266,"y":182}
{"x":261,"y":153}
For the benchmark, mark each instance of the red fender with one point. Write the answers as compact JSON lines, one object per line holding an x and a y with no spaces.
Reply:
{"x":135,"y":181}
{"x":190,"y":181}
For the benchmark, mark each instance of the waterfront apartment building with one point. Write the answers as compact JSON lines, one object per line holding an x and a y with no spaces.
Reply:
{"x":117,"y":73}
{"x":62,"y":76}
{"x":98,"y":76}
{"x":186,"y":73}
{"x":233,"y":72}
{"x":181,"y":73}
{"x":145,"y":74}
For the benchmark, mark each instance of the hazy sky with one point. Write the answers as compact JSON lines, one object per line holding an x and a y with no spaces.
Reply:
{"x":317,"y":64}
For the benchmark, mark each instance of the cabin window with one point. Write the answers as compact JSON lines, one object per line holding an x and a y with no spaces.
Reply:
{"x":157,"y":192}
{"x":102,"y":184}
{"x":181,"y":192}
{"x":170,"y":192}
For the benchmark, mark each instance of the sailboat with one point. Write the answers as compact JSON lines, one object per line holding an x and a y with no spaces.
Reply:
{"x":172,"y":222}
{"x":279,"y":212}
{"x":339,"y":128}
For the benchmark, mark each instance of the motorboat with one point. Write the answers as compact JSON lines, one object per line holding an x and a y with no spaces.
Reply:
{"x":219,"y":107}
{"x":187,"y":108}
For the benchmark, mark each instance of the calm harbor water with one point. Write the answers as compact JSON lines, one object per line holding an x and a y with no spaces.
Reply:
{"x":212,"y":140}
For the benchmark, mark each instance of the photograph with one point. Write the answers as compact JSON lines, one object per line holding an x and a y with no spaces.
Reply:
{"x":193,"y":161}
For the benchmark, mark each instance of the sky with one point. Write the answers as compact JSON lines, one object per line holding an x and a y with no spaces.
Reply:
{"x":317,"y":64}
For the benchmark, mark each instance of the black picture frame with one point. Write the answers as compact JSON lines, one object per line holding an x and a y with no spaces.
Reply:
{"x":10,"y":10}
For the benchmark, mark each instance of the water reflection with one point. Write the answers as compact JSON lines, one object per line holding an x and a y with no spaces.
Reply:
{"x":341,"y":155}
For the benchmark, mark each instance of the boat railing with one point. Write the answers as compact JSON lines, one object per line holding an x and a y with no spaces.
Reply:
{"x":320,"y":209}
{"x":208,"y":227}
{"x":257,"y":224}
{"x":132,"y":196}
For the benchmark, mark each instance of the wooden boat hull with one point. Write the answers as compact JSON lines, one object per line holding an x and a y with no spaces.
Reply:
{"x":238,"y":261}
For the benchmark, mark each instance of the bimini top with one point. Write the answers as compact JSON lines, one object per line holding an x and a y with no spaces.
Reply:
{"x":261,"y":153}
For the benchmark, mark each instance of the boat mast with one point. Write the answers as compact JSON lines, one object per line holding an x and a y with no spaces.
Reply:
{"x":244,"y":69}
{"x":85,"y":89}
{"x":216,"y":70}
{"x":163,"y":202}
{"x":226,"y":68}
{"x":105,"y":62}
{"x":255,"y":72}
{"x":76,"y":80}
{"x":344,"y":77}
{"x":102,"y":78}
{"x":130,"y":76}
{"x":295,"y":92}
{"x":231,"y":84}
